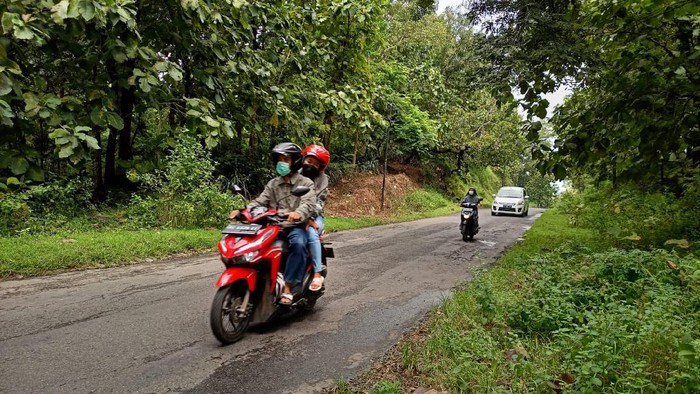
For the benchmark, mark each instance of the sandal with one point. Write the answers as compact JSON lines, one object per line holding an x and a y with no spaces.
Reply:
{"x":286,"y":299}
{"x":316,"y":284}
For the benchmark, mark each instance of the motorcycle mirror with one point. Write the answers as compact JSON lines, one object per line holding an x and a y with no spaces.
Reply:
{"x":299,"y":191}
{"x":481,"y":199}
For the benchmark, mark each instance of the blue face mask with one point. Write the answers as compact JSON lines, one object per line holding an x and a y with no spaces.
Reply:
{"x":282,"y":168}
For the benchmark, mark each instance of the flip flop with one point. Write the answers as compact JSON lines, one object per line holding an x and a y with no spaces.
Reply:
{"x":286,"y":299}
{"x":316,"y":284}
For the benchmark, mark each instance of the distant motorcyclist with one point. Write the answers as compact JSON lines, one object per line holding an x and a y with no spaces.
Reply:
{"x":472,"y":197}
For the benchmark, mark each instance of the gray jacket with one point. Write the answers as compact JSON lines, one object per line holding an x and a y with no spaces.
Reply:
{"x":321,"y":186}
{"x":277,"y":195}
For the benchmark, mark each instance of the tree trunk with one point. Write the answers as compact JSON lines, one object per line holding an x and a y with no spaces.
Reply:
{"x":357,"y":144}
{"x":99,"y":192}
{"x":252,"y":143}
{"x":328,"y":120}
{"x":110,"y":156}
{"x":126,"y":109}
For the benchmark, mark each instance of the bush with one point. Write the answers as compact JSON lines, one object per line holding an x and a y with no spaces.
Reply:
{"x":485,"y":181}
{"x":634,"y":217}
{"x":185,"y":194}
{"x":618,"y":318}
{"x":423,"y":200}
{"x":31,"y":209}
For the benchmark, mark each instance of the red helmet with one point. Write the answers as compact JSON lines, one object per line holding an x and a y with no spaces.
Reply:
{"x":318,"y":152}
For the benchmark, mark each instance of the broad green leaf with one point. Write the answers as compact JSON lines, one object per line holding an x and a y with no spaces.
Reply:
{"x":115,"y":120}
{"x":35,"y":173}
{"x":89,"y":140}
{"x":175,"y":74}
{"x":24,"y":33}
{"x":65,"y":151}
{"x":144,"y":85}
{"x":59,"y":12}
{"x":119,"y":56}
{"x":8,"y":19}
{"x":87,"y":9}
{"x":18,"y":165}
{"x":98,"y":117}
{"x":73,"y":9}
{"x":5,"y":85}
{"x":211,"y":121}
{"x":159,"y":66}
{"x":12,"y":181}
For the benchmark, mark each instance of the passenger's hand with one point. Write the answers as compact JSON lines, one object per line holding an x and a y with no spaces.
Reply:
{"x":312,"y":223}
{"x":293,"y":216}
{"x":233,"y":214}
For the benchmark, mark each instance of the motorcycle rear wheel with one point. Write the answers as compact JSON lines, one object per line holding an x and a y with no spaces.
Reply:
{"x":227,"y":324}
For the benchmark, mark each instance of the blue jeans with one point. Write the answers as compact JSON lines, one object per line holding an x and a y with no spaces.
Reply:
{"x":315,"y":243}
{"x":296,"y":260}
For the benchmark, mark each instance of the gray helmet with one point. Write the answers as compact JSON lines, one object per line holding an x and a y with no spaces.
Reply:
{"x":288,"y":149}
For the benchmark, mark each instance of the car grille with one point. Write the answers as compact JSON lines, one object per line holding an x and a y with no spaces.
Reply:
{"x":504,"y":209}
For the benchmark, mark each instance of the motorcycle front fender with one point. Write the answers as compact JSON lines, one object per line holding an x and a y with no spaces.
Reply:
{"x":236,"y":273}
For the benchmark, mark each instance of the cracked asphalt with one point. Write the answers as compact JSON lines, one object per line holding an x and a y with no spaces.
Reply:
{"x":144,"y":328}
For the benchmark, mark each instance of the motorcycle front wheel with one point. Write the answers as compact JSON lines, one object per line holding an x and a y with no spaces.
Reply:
{"x":228,"y":323}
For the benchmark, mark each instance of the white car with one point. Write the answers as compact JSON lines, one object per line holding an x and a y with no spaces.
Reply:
{"x":511,"y":200}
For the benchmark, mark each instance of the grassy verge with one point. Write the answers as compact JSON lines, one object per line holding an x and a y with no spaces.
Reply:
{"x":561,"y":311}
{"x":36,"y":255}
{"x":31,"y":255}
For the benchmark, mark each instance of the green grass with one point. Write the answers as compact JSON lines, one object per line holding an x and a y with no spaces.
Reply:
{"x":35,"y":255}
{"x":563,"y":309}
{"x":73,"y":248}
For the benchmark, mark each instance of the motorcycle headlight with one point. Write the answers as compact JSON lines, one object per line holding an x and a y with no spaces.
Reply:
{"x":244,"y":258}
{"x":467,"y":215}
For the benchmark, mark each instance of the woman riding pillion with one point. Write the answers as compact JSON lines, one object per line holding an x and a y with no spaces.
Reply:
{"x":316,"y":159}
{"x":277,"y":195}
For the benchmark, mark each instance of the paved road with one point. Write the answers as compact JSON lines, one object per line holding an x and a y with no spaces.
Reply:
{"x":144,"y":328}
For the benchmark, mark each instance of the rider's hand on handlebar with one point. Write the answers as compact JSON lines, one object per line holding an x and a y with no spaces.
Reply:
{"x":293,"y":217}
{"x":233,"y":214}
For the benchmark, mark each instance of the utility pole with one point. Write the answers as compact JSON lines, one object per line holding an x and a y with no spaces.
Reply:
{"x":386,"y":151}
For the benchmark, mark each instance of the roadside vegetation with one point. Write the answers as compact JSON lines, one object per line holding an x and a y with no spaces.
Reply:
{"x":603,"y":294}
{"x":593,"y":300}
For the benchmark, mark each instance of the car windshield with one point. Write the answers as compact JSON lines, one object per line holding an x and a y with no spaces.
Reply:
{"x":510,"y":193}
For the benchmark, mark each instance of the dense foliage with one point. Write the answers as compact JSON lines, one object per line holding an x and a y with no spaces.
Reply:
{"x":634,"y":70}
{"x":104,"y":90}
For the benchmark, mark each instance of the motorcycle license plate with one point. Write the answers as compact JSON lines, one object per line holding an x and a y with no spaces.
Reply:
{"x":242,"y":229}
{"x":467,"y":209}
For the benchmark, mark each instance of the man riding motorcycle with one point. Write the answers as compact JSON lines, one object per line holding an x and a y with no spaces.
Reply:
{"x":277,"y":195}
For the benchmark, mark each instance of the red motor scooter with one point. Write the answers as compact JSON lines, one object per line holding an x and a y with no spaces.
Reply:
{"x":254,"y":253}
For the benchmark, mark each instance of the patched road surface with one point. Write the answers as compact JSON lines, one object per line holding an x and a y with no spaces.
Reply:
{"x":145,"y":328}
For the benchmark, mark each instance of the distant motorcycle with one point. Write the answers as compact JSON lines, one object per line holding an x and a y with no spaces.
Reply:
{"x":469,"y":225}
